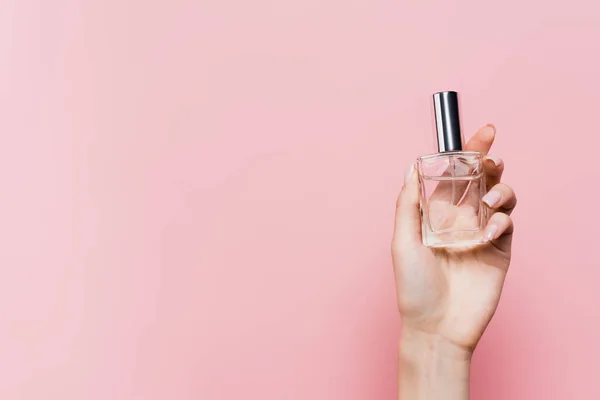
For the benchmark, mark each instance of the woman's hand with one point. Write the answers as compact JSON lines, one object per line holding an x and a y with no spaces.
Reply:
{"x":447,"y":297}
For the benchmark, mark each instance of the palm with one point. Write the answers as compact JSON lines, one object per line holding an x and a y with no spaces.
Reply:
{"x":463,"y":290}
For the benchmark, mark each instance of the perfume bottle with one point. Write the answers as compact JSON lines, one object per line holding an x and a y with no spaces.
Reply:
{"x":451,"y":183}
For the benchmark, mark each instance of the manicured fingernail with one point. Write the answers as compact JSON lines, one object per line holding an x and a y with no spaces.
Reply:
{"x":496,"y":160}
{"x":489,"y":130}
{"x":409,"y":173}
{"x":490,"y":232}
{"x":491,"y":198}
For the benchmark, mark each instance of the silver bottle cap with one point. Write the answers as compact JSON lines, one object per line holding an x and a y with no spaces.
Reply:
{"x":447,"y":121}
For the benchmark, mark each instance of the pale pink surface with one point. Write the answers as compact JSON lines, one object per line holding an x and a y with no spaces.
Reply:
{"x":198,"y":195}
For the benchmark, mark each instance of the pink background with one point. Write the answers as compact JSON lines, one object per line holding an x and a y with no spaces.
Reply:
{"x":198,"y":196}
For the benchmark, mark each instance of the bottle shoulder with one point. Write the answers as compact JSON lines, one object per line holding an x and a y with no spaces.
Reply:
{"x":456,"y":164}
{"x":472,"y":155}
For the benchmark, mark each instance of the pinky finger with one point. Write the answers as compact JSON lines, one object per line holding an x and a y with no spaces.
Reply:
{"x":499,"y":229}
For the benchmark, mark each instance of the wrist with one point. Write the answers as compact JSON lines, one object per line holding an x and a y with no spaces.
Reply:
{"x":418,"y":344}
{"x":431,"y":367}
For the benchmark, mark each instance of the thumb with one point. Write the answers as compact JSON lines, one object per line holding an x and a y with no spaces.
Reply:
{"x":407,"y":227}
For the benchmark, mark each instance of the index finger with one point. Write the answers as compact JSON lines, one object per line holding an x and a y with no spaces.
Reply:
{"x":482,"y":140}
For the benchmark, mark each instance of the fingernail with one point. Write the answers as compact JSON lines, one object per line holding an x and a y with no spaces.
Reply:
{"x":496,"y":160}
{"x":409,"y":173}
{"x":492,"y":128}
{"x":489,"y":129}
{"x":491,"y":198}
{"x":490,"y":232}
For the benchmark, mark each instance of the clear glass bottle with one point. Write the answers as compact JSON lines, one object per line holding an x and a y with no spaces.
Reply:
{"x":452,"y":184}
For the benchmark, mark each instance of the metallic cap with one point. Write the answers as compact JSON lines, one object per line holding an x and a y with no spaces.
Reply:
{"x":447,"y":121}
